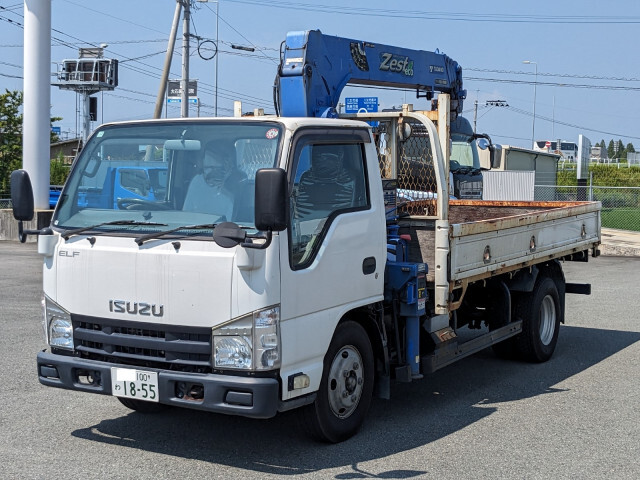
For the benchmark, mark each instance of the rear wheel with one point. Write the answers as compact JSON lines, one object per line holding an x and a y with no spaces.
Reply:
{"x":142,"y":406}
{"x":346,"y":387}
{"x":541,"y":314}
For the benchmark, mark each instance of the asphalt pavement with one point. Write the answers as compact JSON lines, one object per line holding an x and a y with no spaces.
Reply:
{"x":620,"y":242}
{"x":574,"y":417}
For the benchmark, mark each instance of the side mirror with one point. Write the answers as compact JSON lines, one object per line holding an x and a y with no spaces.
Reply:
{"x":495,"y":154}
{"x":404,"y":131}
{"x":22,"y":201}
{"x":271,"y":199}
{"x":483,"y":143}
{"x":21,"y":195}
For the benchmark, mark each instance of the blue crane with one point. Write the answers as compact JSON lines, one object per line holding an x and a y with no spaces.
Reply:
{"x":315,"y":68}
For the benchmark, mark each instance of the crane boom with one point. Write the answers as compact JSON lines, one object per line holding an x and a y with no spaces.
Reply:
{"x":315,"y":68}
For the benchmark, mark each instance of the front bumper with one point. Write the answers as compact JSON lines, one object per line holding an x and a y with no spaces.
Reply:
{"x":248,"y":397}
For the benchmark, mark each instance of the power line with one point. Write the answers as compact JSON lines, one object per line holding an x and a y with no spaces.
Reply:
{"x":10,"y":64}
{"x":567,"y":124}
{"x":236,"y":95}
{"x":549,"y":74}
{"x":447,"y":16}
{"x":554,"y":84}
{"x":235,"y":30}
{"x":81,"y":5}
{"x":10,"y":76}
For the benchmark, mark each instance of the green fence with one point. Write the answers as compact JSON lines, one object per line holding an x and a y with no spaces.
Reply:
{"x":620,"y":205}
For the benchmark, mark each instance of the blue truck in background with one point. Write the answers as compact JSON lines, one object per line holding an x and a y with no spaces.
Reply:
{"x":54,"y":195}
{"x":113,"y":182}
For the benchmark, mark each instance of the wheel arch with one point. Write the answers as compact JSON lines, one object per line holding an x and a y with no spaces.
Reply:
{"x":525,"y":280}
{"x":553,"y":270}
{"x":371,"y":319}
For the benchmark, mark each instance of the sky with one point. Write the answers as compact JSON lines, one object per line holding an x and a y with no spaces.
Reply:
{"x":585,"y":79}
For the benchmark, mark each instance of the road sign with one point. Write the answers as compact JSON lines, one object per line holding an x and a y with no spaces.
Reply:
{"x":56,"y":130}
{"x":179,"y":100}
{"x":360,"y":104}
{"x":174,"y":90}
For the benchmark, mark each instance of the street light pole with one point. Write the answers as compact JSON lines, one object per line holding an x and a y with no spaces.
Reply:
{"x":535,"y":83}
{"x":184,"y":83}
{"x":217,"y":52}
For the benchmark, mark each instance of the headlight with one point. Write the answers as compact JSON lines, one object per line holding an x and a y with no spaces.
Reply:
{"x":58,"y":327}
{"x":233,"y":352}
{"x":249,"y":343}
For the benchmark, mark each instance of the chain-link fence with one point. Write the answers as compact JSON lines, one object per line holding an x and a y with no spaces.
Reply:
{"x":620,"y":205}
{"x":5,"y":199}
{"x":416,"y":176}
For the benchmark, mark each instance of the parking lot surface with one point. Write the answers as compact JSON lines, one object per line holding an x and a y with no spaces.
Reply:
{"x":576,"y":416}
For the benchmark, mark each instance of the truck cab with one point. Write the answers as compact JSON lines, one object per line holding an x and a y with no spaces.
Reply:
{"x":193,"y":302}
{"x":464,"y":162}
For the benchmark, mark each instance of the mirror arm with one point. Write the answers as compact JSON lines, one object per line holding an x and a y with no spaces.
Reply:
{"x":259,"y":246}
{"x":23,"y":234}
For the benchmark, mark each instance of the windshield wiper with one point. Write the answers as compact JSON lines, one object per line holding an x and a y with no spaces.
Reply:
{"x":150,"y":236}
{"x":78,"y":231}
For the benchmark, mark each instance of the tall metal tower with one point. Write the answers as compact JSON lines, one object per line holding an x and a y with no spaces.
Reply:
{"x":90,"y":73}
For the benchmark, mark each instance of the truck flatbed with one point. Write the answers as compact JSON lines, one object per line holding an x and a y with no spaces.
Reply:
{"x":487,"y":238}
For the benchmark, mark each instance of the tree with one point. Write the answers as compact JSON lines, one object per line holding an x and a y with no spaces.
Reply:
{"x":611,"y":152}
{"x":629,"y":148}
{"x":10,"y":136}
{"x":601,"y":144}
{"x":621,"y":151}
{"x":58,"y":170}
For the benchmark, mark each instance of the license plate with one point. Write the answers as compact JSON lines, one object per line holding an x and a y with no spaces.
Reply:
{"x":138,"y":384}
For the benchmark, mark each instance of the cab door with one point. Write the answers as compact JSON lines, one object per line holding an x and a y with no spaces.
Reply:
{"x":333,"y":259}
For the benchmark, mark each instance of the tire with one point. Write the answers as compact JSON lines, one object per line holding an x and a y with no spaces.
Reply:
{"x":540,"y":312}
{"x":346,"y":387}
{"x":142,"y":406}
{"x":506,"y":349}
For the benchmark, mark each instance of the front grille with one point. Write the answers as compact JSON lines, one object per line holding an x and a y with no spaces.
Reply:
{"x":143,"y":344}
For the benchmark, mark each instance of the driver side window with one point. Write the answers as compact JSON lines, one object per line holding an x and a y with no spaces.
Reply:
{"x":330,"y":179}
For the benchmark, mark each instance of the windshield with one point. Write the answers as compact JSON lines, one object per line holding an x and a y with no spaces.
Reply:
{"x":464,"y":152}
{"x":145,"y":178}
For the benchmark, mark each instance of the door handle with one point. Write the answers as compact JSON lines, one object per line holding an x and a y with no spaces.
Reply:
{"x":369,"y":265}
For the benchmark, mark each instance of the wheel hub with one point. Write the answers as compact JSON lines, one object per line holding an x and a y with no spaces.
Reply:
{"x":346,"y":380}
{"x":547,"y":320}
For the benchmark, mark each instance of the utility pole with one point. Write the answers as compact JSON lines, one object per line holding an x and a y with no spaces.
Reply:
{"x":475,"y":115}
{"x":157,"y":112}
{"x":535,"y":83}
{"x":184,"y":84}
{"x":217,"y":52}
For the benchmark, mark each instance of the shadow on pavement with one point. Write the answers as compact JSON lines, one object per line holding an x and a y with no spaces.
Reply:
{"x":417,"y":414}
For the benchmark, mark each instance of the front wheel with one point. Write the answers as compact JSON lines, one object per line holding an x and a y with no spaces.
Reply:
{"x":346,"y":387}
